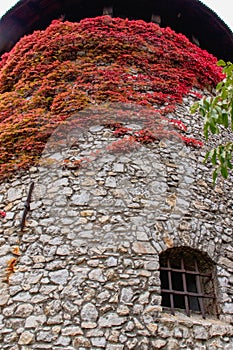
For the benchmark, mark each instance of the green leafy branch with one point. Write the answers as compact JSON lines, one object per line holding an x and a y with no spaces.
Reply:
{"x":218,"y":112}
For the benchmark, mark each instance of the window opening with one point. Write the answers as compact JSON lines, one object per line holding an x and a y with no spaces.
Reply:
{"x":187,"y":281}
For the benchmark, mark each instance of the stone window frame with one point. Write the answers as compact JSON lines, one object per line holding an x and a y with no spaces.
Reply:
{"x":188,"y":282}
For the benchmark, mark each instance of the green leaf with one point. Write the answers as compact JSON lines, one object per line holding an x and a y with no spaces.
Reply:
{"x":213,"y":128}
{"x":225,"y":121}
{"x":229,"y":164}
{"x":218,"y":111}
{"x":221,"y":63}
{"x":206,"y":133}
{"x":194,"y":108}
{"x":219,"y":85}
{"x":214,"y":157}
{"x":206,"y":103}
{"x":208,"y":154}
{"x":224,"y":172}
{"x":231,"y":111}
{"x":215,"y":175}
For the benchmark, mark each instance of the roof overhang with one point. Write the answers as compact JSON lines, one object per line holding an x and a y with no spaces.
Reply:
{"x":190,"y":17}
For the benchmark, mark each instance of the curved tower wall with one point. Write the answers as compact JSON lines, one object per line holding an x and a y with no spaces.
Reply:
{"x":84,"y":272}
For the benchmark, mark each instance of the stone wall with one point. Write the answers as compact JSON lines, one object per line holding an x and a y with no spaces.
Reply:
{"x":84,"y":271}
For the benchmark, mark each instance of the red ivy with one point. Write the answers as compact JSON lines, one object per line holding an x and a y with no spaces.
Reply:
{"x":50,"y":75}
{"x":178,"y":124}
{"x":121,"y":131}
{"x":2,"y":213}
{"x":191,"y":141}
{"x":127,"y":144}
{"x":145,"y":136}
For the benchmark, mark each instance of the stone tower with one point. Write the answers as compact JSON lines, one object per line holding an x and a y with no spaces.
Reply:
{"x":112,"y":234}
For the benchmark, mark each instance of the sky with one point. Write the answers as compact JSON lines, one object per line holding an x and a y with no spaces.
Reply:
{"x":224,"y":8}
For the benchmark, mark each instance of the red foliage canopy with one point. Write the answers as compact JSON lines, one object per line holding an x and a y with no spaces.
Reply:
{"x":50,"y":75}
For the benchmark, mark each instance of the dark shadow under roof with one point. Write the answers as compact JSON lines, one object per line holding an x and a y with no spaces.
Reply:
{"x":190,"y":17}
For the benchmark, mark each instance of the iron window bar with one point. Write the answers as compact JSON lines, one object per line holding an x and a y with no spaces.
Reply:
{"x":185,"y":288}
{"x":199,"y":294}
{"x":198,"y":283}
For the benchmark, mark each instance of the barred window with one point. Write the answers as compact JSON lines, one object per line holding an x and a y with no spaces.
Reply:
{"x":188,"y":281}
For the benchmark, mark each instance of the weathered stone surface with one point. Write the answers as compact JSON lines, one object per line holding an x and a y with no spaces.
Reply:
{"x":97,"y":275}
{"x":22,"y":296}
{"x":226,"y":262}
{"x":200,"y":332}
{"x":85,"y":213}
{"x":24,"y":310}
{"x":220,"y":329}
{"x":228,"y":308}
{"x":53,"y":320}
{"x":118,"y":167}
{"x":111,"y":261}
{"x":35,"y":321}
{"x":112,"y":319}
{"x":110,"y":182}
{"x":26,"y":338}
{"x":81,"y":199}
{"x":123,"y":310}
{"x":143,"y":248}
{"x":114,"y":347}
{"x":80,"y":342}
{"x":89,"y":312}
{"x":173,"y":345}
{"x":88,"y":325}
{"x":158,"y":344}
{"x":14,"y":193}
{"x":63,"y":250}
{"x":126,"y":295}
{"x":59,"y":277}
{"x":99,"y":342}
{"x":4,"y":297}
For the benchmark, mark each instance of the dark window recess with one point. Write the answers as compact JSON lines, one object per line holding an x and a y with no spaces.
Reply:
{"x":187,"y":281}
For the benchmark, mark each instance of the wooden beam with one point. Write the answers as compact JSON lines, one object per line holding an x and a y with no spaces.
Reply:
{"x":156,"y":19}
{"x":108,"y":11}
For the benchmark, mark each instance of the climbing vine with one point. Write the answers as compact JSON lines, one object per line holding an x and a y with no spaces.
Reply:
{"x":99,"y":60}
